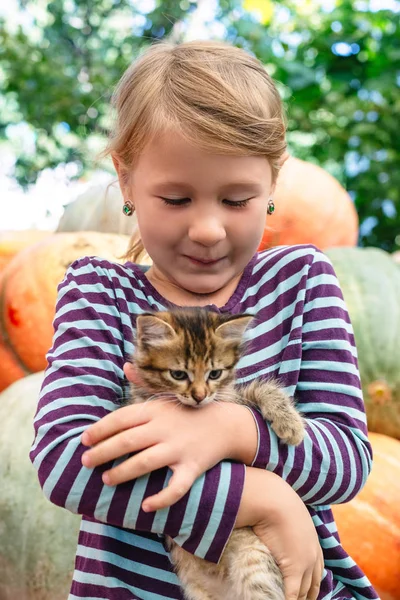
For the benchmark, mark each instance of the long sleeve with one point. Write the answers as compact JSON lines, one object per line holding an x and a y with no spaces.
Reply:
{"x":83,"y":382}
{"x":332,"y":464}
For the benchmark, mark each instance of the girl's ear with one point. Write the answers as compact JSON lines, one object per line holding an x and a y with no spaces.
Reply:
{"x":117,"y":164}
{"x":284,"y":157}
{"x":281,"y":163}
{"x":122,"y":176}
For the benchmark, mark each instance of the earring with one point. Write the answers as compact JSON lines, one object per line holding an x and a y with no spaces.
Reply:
{"x":270,"y":207}
{"x":128,"y":208}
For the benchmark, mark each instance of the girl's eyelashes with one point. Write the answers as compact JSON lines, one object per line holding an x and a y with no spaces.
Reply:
{"x":183,"y":201}
{"x":237,"y":203}
{"x":175,"y":201}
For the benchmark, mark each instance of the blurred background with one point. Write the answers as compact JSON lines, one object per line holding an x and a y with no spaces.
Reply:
{"x":337,"y":63}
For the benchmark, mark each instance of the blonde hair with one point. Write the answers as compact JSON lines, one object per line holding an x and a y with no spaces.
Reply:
{"x":214,"y":94}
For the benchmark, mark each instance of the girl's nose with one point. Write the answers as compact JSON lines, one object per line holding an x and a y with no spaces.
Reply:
{"x":207,"y":231}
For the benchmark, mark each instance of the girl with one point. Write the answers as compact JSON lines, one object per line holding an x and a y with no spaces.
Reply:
{"x":198,"y":143}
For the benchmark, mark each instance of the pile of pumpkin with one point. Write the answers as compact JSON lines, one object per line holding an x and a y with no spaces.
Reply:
{"x":37,"y":539}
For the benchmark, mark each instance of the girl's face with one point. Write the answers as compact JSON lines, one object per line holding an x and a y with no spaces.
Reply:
{"x":201,"y":216}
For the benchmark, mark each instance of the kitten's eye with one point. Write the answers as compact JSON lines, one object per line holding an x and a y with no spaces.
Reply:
{"x":216,"y":374}
{"x":179,"y":375}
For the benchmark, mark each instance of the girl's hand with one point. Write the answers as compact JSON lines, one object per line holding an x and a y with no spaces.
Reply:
{"x":281,"y":520}
{"x":162,"y":433}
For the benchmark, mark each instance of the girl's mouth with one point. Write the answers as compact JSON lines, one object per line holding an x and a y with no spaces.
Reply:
{"x":203,"y":262}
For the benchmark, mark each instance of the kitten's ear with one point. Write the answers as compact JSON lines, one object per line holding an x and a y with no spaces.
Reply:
{"x":153,"y":331}
{"x":233,"y":330}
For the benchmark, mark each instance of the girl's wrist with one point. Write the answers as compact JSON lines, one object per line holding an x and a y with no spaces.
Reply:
{"x":243,"y":434}
{"x":264,"y":496}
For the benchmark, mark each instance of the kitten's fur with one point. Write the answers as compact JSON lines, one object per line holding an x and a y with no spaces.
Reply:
{"x":202,"y":343}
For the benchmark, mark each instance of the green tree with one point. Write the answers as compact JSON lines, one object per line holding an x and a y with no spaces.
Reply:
{"x":339,"y":74}
{"x":59,"y":76}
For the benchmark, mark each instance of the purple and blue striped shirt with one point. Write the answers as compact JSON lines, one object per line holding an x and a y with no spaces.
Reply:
{"x":303,"y":337}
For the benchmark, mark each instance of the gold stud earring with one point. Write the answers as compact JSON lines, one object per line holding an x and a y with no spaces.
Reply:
{"x":128,"y":208}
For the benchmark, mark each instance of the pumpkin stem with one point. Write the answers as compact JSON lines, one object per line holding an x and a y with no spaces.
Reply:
{"x":379,"y":392}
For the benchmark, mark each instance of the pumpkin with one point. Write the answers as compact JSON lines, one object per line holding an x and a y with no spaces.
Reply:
{"x":37,"y":539}
{"x":310,"y":207}
{"x":370,"y":281}
{"x":369,"y":525}
{"x":28,"y":291}
{"x":11,"y":242}
{"x":99,"y":208}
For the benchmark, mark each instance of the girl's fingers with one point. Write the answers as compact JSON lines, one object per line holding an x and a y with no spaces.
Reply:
{"x":311,"y":583}
{"x":304,"y":593}
{"x":149,"y":460}
{"x":314,"y":591}
{"x":131,"y":440}
{"x":317,"y":576}
{"x":131,"y":374}
{"x":179,"y":484}
{"x":116,"y":421}
{"x":292,"y":586}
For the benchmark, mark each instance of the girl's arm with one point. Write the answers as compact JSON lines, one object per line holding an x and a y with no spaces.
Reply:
{"x":332,"y":464}
{"x":281,"y":520}
{"x":83,"y":383}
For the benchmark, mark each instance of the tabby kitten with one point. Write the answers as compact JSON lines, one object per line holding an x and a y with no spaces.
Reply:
{"x":190,"y":354}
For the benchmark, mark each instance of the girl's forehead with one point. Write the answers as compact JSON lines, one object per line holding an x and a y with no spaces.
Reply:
{"x":173,"y":160}
{"x":168,"y":145}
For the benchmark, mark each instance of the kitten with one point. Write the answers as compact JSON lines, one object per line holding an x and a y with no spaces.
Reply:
{"x":190,"y":354}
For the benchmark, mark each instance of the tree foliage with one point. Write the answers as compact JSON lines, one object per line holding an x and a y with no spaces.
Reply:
{"x":59,"y":77}
{"x":339,"y":74}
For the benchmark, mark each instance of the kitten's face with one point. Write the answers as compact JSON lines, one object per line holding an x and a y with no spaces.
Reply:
{"x":191,"y":353}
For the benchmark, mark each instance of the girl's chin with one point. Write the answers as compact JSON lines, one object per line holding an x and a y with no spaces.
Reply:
{"x":203,"y":285}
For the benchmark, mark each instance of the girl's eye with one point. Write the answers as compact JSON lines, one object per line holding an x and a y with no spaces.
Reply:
{"x":216,"y":374}
{"x":237,"y":203}
{"x":183,"y":201}
{"x":179,"y":375}
{"x":175,"y":201}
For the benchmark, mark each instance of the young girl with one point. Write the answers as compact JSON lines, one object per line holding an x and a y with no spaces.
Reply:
{"x":198,"y":143}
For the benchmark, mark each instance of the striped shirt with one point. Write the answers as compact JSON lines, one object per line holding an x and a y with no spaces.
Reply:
{"x":303,"y":337}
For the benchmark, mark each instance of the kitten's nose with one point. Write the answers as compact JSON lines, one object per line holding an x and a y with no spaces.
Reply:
{"x":198,"y":396}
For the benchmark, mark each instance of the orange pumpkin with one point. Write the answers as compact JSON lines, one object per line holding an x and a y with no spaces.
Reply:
{"x":11,"y":242}
{"x":28,"y":291}
{"x":310,"y":207}
{"x":369,"y":525}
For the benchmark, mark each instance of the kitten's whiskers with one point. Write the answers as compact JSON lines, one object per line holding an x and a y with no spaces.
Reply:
{"x":165,"y":395}
{"x":167,"y":398}
{"x":226,"y":396}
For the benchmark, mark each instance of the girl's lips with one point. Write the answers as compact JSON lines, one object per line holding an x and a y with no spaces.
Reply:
{"x":200,"y":261}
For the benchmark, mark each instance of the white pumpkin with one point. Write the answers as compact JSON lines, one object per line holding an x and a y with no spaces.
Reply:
{"x":99,"y":208}
{"x":37,"y":539}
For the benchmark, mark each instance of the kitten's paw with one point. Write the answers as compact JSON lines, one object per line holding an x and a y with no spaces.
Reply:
{"x":291,"y":431}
